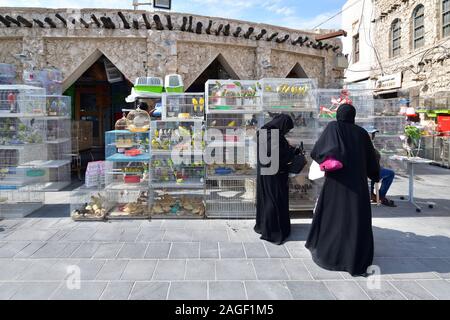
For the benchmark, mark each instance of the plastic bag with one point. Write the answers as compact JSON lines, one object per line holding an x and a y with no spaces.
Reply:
{"x":314,"y":171}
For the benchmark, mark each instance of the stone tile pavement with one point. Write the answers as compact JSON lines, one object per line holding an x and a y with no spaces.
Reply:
{"x":40,"y":256}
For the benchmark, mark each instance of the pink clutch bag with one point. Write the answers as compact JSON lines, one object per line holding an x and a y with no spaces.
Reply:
{"x":330,"y":164}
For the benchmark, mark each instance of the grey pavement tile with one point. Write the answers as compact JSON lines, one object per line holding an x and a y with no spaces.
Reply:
{"x":380,"y":290}
{"x":68,"y":250}
{"x":296,"y":269}
{"x":412,"y":290}
{"x":404,"y":268}
{"x":8,"y":289}
{"x":129,"y":234}
{"x":112,"y":270}
{"x":132,"y":251}
{"x":231,"y":250}
{"x":158,"y":250}
{"x":36,"y":270}
{"x":10,"y":249}
{"x":346,"y":290}
{"x":150,"y":234}
{"x":108,"y":250}
{"x":117,"y":291}
{"x":276,"y":251}
{"x":150,"y":291}
{"x":270,"y":269}
{"x":309,"y":290}
{"x":184,"y":250}
{"x":170,"y":270}
{"x":13,"y":269}
{"x":209,"y":250}
{"x":139,"y":270}
{"x":187,"y":290}
{"x":45,"y":223}
{"x":35,"y":291}
{"x":89,"y":269}
{"x":235,"y":270}
{"x":267,"y":290}
{"x":80,"y":234}
{"x":238,"y":235}
{"x":438,"y":288}
{"x":178,"y":235}
{"x":87,"y":291}
{"x":255,"y":250}
{"x":30,"y":234}
{"x":226,"y":290}
{"x":200,"y":270}
{"x":321,"y":274}
{"x":173,"y":224}
{"x":86,"y":250}
{"x":297,"y":249}
{"x":50,"y":250}
{"x":209,"y":235}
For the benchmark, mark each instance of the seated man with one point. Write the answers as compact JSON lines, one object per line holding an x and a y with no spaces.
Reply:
{"x":386,"y":176}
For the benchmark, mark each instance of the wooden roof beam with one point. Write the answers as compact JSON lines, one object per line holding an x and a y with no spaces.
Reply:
{"x":24,"y":21}
{"x":126,"y":25}
{"x":208,"y":28}
{"x":261,"y":34}
{"x":39,"y":23}
{"x":249,"y":32}
{"x":50,"y":22}
{"x":84,"y":23}
{"x":198,"y":28}
{"x":97,"y":23}
{"x":5,"y":22}
{"x":147,"y":23}
{"x":331,"y":35}
{"x":60,"y":17}
{"x":159,"y":25}
{"x":282,"y":40}
{"x":169,"y":22}
{"x":237,"y":32}
{"x":272,"y":36}
{"x":12,"y":20}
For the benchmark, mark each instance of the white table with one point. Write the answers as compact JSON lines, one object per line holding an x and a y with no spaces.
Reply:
{"x":411,"y":162}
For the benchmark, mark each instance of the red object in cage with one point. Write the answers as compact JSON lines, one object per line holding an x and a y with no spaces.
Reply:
{"x":443,"y":124}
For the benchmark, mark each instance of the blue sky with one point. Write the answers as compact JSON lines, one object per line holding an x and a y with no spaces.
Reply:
{"x":301,"y":14}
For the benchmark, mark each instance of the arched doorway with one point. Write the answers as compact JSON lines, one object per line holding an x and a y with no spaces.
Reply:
{"x":297,"y":72}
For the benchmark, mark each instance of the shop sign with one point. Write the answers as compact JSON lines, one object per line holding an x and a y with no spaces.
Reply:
{"x":389,"y":82}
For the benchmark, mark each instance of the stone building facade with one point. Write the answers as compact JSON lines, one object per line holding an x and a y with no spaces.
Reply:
{"x":421,"y":52}
{"x":162,"y":43}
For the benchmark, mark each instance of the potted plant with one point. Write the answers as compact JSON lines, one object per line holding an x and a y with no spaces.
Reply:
{"x":411,"y":140}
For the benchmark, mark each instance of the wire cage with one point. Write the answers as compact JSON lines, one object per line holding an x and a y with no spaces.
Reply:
{"x":288,"y":94}
{"x":49,"y":78}
{"x":58,"y":131}
{"x":128,"y":204}
{"x":179,"y":106}
{"x":231,"y":198}
{"x":124,"y":145}
{"x":7,"y":73}
{"x":178,"y":136}
{"x":19,"y":132}
{"x":178,"y":203}
{"x":20,"y":202}
{"x":59,"y":106}
{"x":166,"y":172}
{"x":22,"y":101}
{"x":394,"y":125}
{"x":131,"y":175}
{"x":233,"y":96}
{"x":387,"y":107}
{"x":303,"y":193}
{"x":87,"y":204}
{"x":329,"y":101}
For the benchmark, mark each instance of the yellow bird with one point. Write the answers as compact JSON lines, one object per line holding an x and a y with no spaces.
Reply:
{"x":195,"y":103}
{"x":202,"y":104}
{"x":232,"y":124}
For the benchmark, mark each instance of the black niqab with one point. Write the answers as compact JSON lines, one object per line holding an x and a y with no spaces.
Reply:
{"x":341,"y":236}
{"x":272,"y":191}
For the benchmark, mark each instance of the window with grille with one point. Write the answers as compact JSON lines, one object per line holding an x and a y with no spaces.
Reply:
{"x":356,"y":48}
{"x":445,"y":18}
{"x":419,"y":26}
{"x":396,"y":36}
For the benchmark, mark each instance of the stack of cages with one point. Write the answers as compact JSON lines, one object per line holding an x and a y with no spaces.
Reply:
{"x":127,"y":174}
{"x":429,"y":140}
{"x":177,"y":168}
{"x":22,"y":149}
{"x":233,"y":115}
{"x":390,"y":120}
{"x":49,"y":78}
{"x":296,"y":98}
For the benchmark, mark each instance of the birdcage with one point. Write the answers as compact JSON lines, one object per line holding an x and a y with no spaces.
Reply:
{"x":22,"y":101}
{"x":138,"y":120}
{"x":288,"y":94}
{"x":129,"y":175}
{"x":87,"y":204}
{"x":122,"y":123}
{"x":232,"y":96}
{"x":166,"y":172}
{"x":178,"y":203}
{"x":20,"y":202}
{"x":59,"y":106}
{"x":124,"y":145}
{"x":7,"y":73}
{"x":183,"y":106}
{"x":128,"y":204}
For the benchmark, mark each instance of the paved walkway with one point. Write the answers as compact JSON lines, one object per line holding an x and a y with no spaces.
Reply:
{"x":220,"y":259}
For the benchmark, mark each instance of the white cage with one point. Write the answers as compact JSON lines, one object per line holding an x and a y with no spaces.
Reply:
{"x":89,"y":204}
{"x":178,"y":203}
{"x":179,"y":106}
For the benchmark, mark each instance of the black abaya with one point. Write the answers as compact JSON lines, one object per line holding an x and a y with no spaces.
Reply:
{"x":341,"y":236}
{"x":272,"y":191}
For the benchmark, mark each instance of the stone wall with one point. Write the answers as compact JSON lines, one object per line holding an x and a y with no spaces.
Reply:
{"x":434,"y":76}
{"x":73,"y":47}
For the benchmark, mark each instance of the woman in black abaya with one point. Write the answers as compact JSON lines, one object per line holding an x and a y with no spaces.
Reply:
{"x":272,"y":191}
{"x":341,"y":236}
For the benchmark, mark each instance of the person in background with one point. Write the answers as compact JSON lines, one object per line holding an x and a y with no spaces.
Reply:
{"x":386,"y":175}
{"x":341,"y":237}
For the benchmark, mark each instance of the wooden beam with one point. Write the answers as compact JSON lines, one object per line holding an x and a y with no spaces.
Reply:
{"x":249,"y":32}
{"x":282,"y":40}
{"x":331,"y":35}
{"x":296,"y":41}
{"x":226,"y":30}
{"x":12,"y":20}
{"x":336,"y":48}
{"x":84,"y":23}
{"x":261,"y":34}
{"x":219,"y":29}
{"x":5,"y":22}
{"x":304,"y":40}
{"x":97,"y":23}
{"x":50,"y":22}
{"x":169,"y":22}
{"x":159,"y":25}
{"x":183,"y":26}
{"x":147,"y":23}
{"x":198,"y":28}
{"x":208,"y":29}
{"x":126,"y":25}
{"x":236,"y":33}
{"x":105,"y":22}
{"x":111,"y":23}
{"x":135,"y":24}
{"x":189,"y":29}
{"x":24,"y":21}
{"x":60,"y":17}
{"x":39,"y":23}
{"x":272,"y":36}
